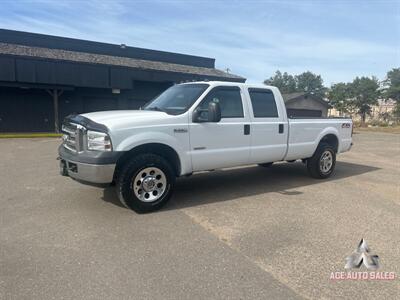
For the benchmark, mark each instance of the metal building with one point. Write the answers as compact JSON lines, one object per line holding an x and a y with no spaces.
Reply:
{"x":44,"y":78}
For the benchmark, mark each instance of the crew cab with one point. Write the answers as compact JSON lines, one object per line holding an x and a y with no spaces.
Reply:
{"x":194,"y":127}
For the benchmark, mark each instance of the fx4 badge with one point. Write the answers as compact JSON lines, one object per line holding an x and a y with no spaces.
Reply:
{"x":346,"y":125}
{"x":362,"y":256}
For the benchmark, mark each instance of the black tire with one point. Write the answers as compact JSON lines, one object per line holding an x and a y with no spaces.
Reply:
{"x":314,"y":166}
{"x":266,"y":165}
{"x":125,"y":182}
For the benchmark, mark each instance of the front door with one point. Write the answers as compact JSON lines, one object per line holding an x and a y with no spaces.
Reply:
{"x":226,"y":143}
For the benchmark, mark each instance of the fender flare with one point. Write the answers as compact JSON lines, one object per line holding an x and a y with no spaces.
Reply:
{"x":327,"y":131}
{"x":142,"y":139}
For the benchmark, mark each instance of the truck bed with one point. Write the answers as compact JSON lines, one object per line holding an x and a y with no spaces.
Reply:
{"x":305,"y":134}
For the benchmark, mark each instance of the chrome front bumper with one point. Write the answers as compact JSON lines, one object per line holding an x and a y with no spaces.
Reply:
{"x":91,"y":173}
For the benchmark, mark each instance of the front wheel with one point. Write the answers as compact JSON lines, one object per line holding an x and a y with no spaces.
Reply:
{"x":145,"y":183}
{"x":322,"y":163}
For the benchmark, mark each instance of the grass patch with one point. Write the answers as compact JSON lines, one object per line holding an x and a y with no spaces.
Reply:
{"x":29,"y":135}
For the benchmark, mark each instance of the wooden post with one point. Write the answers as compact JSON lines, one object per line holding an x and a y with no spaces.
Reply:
{"x":55,"y":94}
{"x":55,"y":100}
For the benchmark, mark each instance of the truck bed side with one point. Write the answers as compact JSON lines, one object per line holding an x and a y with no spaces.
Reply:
{"x":306,"y":134}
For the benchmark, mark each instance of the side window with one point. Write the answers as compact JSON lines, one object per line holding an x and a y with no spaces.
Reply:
{"x":229,"y":99}
{"x":263,"y":102}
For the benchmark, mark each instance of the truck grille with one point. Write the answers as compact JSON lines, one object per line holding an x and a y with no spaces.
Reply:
{"x":72,"y":137}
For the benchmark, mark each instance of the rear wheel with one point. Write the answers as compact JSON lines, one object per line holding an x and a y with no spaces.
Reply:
{"x":322,"y":163}
{"x":145,"y":183}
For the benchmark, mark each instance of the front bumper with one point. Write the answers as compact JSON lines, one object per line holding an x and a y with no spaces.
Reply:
{"x":88,"y":167}
{"x":87,"y":172}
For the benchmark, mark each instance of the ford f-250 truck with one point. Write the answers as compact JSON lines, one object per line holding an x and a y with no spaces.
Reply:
{"x":194,"y":127}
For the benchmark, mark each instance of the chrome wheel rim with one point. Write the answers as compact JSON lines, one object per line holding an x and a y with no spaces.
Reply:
{"x":326,"y":162}
{"x":149,"y":184}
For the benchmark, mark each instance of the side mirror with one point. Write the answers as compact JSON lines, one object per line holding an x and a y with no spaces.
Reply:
{"x":213,"y":113}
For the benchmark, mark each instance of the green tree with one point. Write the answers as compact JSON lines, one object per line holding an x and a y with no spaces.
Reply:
{"x":392,"y":83}
{"x":339,"y":96}
{"x":310,"y":83}
{"x":285,"y":82}
{"x":365,"y":93}
{"x":392,"y":88}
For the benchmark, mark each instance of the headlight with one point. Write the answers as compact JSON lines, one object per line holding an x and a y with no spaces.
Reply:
{"x":98,"y":141}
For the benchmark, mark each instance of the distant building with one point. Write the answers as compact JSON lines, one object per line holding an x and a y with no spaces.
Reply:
{"x":44,"y":78}
{"x":302,"y":104}
{"x":383,"y":111}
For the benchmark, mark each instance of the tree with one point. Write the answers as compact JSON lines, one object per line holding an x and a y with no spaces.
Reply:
{"x":310,"y":83}
{"x":285,"y":82}
{"x":393,"y":85}
{"x":307,"y":82}
{"x":392,"y":88}
{"x":339,"y":96}
{"x":365,"y":93}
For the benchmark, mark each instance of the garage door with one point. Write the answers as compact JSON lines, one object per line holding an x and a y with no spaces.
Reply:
{"x":25,"y":110}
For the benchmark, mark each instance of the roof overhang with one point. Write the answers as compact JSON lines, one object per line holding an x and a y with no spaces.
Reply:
{"x":129,"y":65}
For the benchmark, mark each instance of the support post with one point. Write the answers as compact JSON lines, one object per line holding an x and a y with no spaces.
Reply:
{"x":55,"y":100}
{"x":55,"y":94}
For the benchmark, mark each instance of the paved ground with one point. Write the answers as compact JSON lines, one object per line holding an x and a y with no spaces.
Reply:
{"x":249,"y":233}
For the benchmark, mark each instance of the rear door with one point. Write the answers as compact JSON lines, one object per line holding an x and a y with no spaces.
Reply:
{"x":226,"y":143}
{"x":269,"y":129}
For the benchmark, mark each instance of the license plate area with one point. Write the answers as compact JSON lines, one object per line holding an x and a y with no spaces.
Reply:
{"x":66,"y":166}
{"x":72,"y":167}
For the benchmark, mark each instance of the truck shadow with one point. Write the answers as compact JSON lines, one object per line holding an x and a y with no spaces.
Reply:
{"x":225,"y":185}
{"x":230,"y":184}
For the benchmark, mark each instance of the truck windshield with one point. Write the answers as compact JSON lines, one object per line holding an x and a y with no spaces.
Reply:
{"x":177,"y":99}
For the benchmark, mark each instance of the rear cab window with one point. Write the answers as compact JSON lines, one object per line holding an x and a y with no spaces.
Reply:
{"x":229,"y":99}
{"x":263,"y":103}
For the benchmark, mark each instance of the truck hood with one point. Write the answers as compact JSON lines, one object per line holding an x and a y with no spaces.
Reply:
{"x":114,"y":119}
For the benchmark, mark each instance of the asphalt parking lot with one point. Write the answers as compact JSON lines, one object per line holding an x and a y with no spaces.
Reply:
{"x":245,"y":233}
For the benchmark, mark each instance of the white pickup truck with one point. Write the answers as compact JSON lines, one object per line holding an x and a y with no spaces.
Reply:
{"x":193,"y":127}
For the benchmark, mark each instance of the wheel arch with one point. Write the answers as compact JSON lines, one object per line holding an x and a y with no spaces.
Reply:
{"x":160,"y":149}
{"x":330,"y":139}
